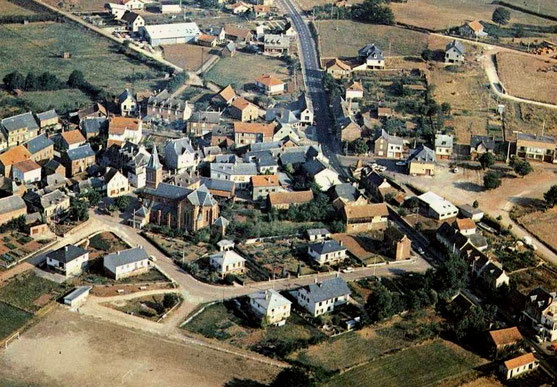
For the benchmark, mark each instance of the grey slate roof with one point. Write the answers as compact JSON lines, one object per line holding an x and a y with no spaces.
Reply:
{"x":124,"y":257}
{"x":346,"y":191}
{"x":209,"y":117}
{"x":263,"y":146}
{"x":201,"y":197}
{"x":292,"y":158}
{"x":235,"y":169}
{"x":93,"y":125}
{"x":24,"y":120}
{"x":390,"y":138}
{"x":218,"y":184}
{"x":38,"y":144}
{"x":444,"y":140}
{"x":67,"y":253}
{"x":221,"y":221}
{"x":371,"y":50}
{"x":80,"y":152}
{"x":180,"y":146}
{"x":326,"y":247}
{"x":169,"y":191}
{"x":76,"y":293}
{"x":11,"y":203}
{"x":48,"y":115}
{"x":269,"y":299}
{"x":313,"y":167}
{"x":422,"y":154}
{"x":52,"y":198}
{"x":318,"y":231}
{"x":533,"y":137}
{"x":328,"y":289}
{"x":457,"y":46}
{"x":488,"y":141}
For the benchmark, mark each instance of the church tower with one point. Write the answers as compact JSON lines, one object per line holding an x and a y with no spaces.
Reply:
{"x":153,"y":170}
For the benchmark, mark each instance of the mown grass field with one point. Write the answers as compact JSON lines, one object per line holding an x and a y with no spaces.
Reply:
{"x":38,"y":47}
{"x":343,"y":38}
{"x":443,"y":14}
{"x":24,"y":290}
{"x":7,"y":8}
{"x":244,"y":68}
{"x":11,"y":319}
{"x":67,"y":99}
{"x":422,"y":365}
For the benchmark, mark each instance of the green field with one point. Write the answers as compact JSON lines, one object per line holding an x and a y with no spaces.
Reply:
{"x":11,"y":319}
{"x":25,"y":289}
{"x":343,"y":38}
{"x":422,"y":365}
{"x":546,"y":7}
{"x":38,"y":47}
{"x":7,"y":8}
{"x":244,"y":68}
{"x":62,"y":100}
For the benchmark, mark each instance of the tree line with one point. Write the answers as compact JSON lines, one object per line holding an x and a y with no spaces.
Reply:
{"x":370,"y":11}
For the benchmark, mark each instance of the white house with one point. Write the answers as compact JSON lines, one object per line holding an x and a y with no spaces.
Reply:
{"x":270,"y":85}
{"x":116,"y":183}
{"x":273,"y":307}
{"x":373,"y":56}
{"x":26,"y":171}
{"x":137,"y":174}
{"x":170,"y":7}
{"x":175,"y":33}
{"x":443,"y":146}
{"x":354,"y":91}
{"x":122,"y":129}
{"x":133,"y":21}
{"x":69,"y":260}
{"x":327,"y":252}
{"x":227,"y":262}
{"x":117,"y":10}
{"x":127,"y":263}
{"x":519,"y":365}
{"x":128,"y":104}
{"x":438,"y":207}
{"x":323,"y":176}
{"x":179,"y":154}
{"x":317,"y":234}
{"x":134,"y":5}
{"x":322,"y":297}
{"x":240,"y":173}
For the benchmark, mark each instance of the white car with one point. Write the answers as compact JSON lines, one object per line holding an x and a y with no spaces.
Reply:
{"x":348,"y":270}
{"x":401,"y":163}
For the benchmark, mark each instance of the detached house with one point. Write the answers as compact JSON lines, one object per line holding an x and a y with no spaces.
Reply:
{"x":19,"y":129}
{"x":53,"y":204}
{"x":127,"y":263}
{"x":227,"y":262}
{"x":251,"y":133}
{"x":368,"y":217}
{"x":270,"y":85}
{"x":12,"y":156}
{"x":71,"y":139}
{"x":116,"y":183}
{"x":263,"y":185}
{"x":388,"y":146}
{"x":537,"y":148}
{"x":337,"y":68}
{"x":473,"y":29}
{"x":271,"y":306}
{"x":323,"y":176}
{"x":236,"y":34}
{"x":226,"y":96}
{"x":327,"y":252}
{"x":276,"y":44}
{"x":322,"y":297}
{"x":519,"y":365}
{"x":207,"y":40}
{"x":179,"y":154}
{"x":127,"y":104}
{"x":133,"y":21}
{"x":443,"y":146}
{"x":373,"y":56}
{"x":69,"y":260}
{"x":77,"y":160}
{"x":421,"y":162}
{"x":243,"y":110}
{"x":26,"y":172}
{"x":41,"y":148}
{"x":480,"y":145}
{"x":354,"y":91}
{"x":502,"y":339}
{"x":454,"y":52}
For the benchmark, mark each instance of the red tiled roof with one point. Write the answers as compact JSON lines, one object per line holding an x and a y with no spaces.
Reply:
{"x":265,"y":181}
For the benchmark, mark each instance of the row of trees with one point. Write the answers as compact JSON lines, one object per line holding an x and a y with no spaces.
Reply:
{"x":492,"y":179}
{"x":370,"y":11}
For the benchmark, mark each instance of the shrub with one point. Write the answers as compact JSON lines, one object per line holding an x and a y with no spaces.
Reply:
{"x":492,"y":180}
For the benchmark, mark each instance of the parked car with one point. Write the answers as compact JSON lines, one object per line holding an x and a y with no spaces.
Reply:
{"x":401,"y":163}
{"x":348,"y":270}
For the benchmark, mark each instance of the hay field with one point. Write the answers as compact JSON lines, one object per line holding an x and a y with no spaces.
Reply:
{"x":187,"y":56}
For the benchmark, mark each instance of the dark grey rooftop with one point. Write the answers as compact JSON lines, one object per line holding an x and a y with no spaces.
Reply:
{"x":169,"y":191}
{"x":80,"y":152}
{"x":326,"y":247}
{"x":38,"y":144}
{"x":24,"y":120}
{"x":328,"y":289}
{"x":67,"y":253}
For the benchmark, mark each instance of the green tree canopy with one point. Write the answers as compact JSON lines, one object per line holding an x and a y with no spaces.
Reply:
{"x":486,"y":160}
{"x":501,"y":16}
{"x":522,"y":167}
{"x":551,"y":196}
{"x":492,"y":180}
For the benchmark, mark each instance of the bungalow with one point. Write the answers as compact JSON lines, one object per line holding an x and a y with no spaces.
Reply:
{"x":71,"y":139}
{"x":127,"y":104}
{"x":207,"y":40}
{"x":179,"y":154}
{"x":399,"y":244}
{"x":276,"y":45}
{"x":69,"y":260}
{"x":122,"y":129}
{"x":323,"y":176}
{"x":127,"y":263}
{"x":317,"y":234}
{"x":41,"y":148}
{"x":354,"y":91}
{"x":480,"y":145}
{"x":322,"y":297}
{"x":327,"y":252}
{"x":270,"y":85}
{"x":19,"y":129}
{"x":537,"y":148}
{"x":227,"y":262}
{"x":116,"y":183}
{"x":373,"y":56}
{"x":48,"y":120}
{"x":77,"y":160}
{"x":388,"y":146}
{"x":437,"y":207}
{"x":336,"y":68}
{"x":454,"y":52}
{"x":368,"y":217}
{"x":243,"y":110}
{"x":443,"y":146}
{"x":133,"y":21}
{"x":283,"y":200}
{"x":473,"y":29}
{"x":26,"y":172}
{"x":239,"y":173}
{"x":271,"y":306}
{"x":421,"y":161}
{"x":519,"y":365}
{"x":11,"y":207}
{"x":12,"y":156}
{"x":250,"y":133}
{"x":263,"y":185}
{"x":502,"y":339}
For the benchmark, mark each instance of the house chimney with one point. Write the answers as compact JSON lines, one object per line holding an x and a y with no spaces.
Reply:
{"x":315,"y":280}
{"x":66,"y":248}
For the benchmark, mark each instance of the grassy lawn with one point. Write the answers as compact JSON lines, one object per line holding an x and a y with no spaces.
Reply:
{"x":11,"y":319}
{"x":24,"y":290}
{"x":38,"y":47}
{"x":244,"y":68}
{"x":343,"y":38}
{"x":63,"y":100}
{"x":7,"y":8}
{"x":442,"y":14}
{"x":422,"y":365}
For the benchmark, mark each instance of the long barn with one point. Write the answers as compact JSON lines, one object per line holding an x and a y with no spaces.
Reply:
{"x":161,"y":34}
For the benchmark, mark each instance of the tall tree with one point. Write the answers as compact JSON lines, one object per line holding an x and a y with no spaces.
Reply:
{"x":551,"y":196}
{"x":486,"y":160}
{"x":501,"y":16}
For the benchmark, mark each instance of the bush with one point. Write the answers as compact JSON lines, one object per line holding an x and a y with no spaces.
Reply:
{"x":99,"y":243}
{"x":169,"y":300}
{"x":492,"y":180}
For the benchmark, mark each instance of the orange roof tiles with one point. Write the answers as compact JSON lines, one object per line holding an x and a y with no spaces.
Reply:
{"x":356,"y":86}
{"x":465,"y":224}
{"x":252,"y":127}
{"x":207,"y":38}
{"x":118,"y":125}
{"x":241,"y":103}
{"x":14,"y":155}
{"x":298,"y":197}
{"x":269,"y":80}
{"x":26,"y":165}
{"x":73,"y":137}
{"x":505,"y":336}
{"x":520,"y":361}
{"x":265,"y":181}
{"x":366,"y":211}
{"x":476,"y":26}
{"x":328,"y":63}
{"x":227,"y":93}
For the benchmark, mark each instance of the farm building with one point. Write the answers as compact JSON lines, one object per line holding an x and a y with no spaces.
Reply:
{"x":77,"y":296}
{"x":161,"y":34}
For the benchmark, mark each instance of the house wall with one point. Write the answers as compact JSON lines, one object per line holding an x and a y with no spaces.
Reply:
{"x":58,"y":208}
{"x":72,"y":268}
{"x":332,"y":257}
{"x":416,"y":168}
{"x":44,"y":154}
{"x":131,"y":269}
{"x":27,"y":177}
{"x":118,"y":186}
{"x":78,"y":166}
{"x":514,"y":372}
{"x":317,"y":309}
{"x":7,"y":216}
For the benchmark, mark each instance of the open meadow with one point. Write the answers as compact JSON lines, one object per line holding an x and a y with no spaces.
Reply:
{"x":9,"y":8}
{"x":343,"y":38}
{"x":544,"y":7}
{"x":443,"y":14}
{"x":78,"y":5}
{"x":244,"y":68}
{"x":63,"y":100}
{"x":527,"y":77}
{"x":120,"y":356}
{"x":38,"y":47}
{"x":422,"y":365}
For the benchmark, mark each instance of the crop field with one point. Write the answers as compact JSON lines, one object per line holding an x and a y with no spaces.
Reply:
{"x":9,"y":8}
{"x":542,"y":225}
{"x":527,"y":77}
{"x":443,"y":14}
{"x":244,"y":68}
{"x":545,"y":275}
{"x":422,"y":365}
{"x":24,"y":292}
{"x":187,"y":56}
{"x":38,"y":47}
{"x":343,"y":38}
{"x":11,"y":319}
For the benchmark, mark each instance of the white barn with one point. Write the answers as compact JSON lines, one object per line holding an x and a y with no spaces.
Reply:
{"x":161,"y":34}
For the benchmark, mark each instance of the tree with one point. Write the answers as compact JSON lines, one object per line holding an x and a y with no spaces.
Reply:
{"x":374,"y":11}
{"x":476,"y":204}
{"x":501,"y":16}
{"x":446,"y":108}
{"x":381,"y":303}
{"x":123,"y":202}
{"x":76,"y":79}
{"x":79,"y":210}
{"x":14,"y":80}
{"x":359,"y":146}
{"x":427,"y":55}
{"x":522,"y":167}
{"x":169,"y":300}
{"x":486,"y":160}
{"x":491,"y":180}
{"x":289,"y":168}
{"x":450,"y":275}
{"x":551,"y":196}
{"x":31,"y":82}
{"x":292,"y":377}
{"x":94,"y":198}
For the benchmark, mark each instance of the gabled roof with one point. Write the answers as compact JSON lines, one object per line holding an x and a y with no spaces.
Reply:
{"x":475,"y":26}
{"x":202,"y":197}
{"x":465,"y":224}
{"x":268,"y":80}
{"x":318,"y":231}
{"x":535,"y":138}
{"x":227,"y":93}
{"x":227,"y":257}
{"x":93,"y":125}
{"x":209,"y":117}
{"x":129,"y":17}
{"x":296,"y":197}
{"x":80,"y":152}
{"x":48,"y":115}
{"x":73,"y":137}
{"x":67,"y":253}
{"x":444,"y":140}
{"x":124,"y":257}
{"x":457,"y":45}
{"x":169,"y":191}
{"x":27,"y":166}
{"x":328,"y":63}
{"x":24,"y":120}
{"x":507,"y":336}
{"x":313,"y":167}
{"x":487,"y":141}
{"x":371,"y":51}
{"x":221,"y":221}
{"x":390,"y":138}
{"x":265,"y":181}
{"x":11,"y":203}
{"x":173,"y":30}
{"x":246,"y":169}
{"x":266,"y":130}
{"x":179,"y":146}
{"x":366,"y":211}
{"x":422,"y":154}
{"x":326,"y":290}
{"x":38,"y":143}
{"x":356,"y":86}
{"x":118,"y":125}
{"x":326,"y":247}
{"x":241,"y":103}
{"x":218,"y":184}
{"x":269,"y":299}
{"x":519,"y":361}
{"x":237,"y":32}
{"x":14,"y":155}
{"x":206,"y":38}
{"x":346,"y":191}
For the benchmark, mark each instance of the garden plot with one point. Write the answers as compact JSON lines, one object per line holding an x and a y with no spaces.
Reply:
{"x":15,"y":245}
{"x":151,"y":308}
